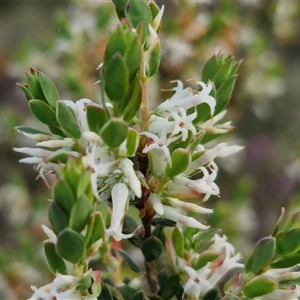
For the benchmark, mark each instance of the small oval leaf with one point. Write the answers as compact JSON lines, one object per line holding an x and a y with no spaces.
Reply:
{"x":152,"y":248}
{"x":131,"y":264}
{"x":55,"y":263}
{"x":67,"y":120}
{"x":43,"y":112}
{"x":70,"y":245}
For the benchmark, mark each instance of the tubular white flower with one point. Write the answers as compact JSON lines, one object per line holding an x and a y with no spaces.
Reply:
{"x":187,"y":206}
{"x":290,"y":293}
{"x":197,"y":283}
{"x":126,"y":166}
{"x":65,"y":143}
{"x":203,"y":185}
{"x":119,"y":196}
{"x":171,"y":213}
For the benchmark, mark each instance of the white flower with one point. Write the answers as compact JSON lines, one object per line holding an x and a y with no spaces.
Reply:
{"x":197,"y":283}
{"x":227,"y":264}
{"x":211,"y":127}
{"x":160,"y":143}
{"x":63,"y":287}
{"x":290,"y":293}
{"x":65,"y":143}
{"x":203,"y":185}
{"x":119,"y":196}
{"x":187,"y":98}
{"x":126,"y":166}
{"x":186,"y":205}
{"x":172,"y":214}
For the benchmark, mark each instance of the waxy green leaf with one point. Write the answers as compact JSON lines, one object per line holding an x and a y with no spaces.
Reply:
{"x":67,"y":120}
{"x":181,"y":159}
{"x":171,"y":286}
{"x":70,"y":245}
{"x":43,"y":112}
{"x":49,"y":89}
{"x":154,"y":59}
{"x":114,"y":132}
{"x":116,"y":80}
{"x":26,"y":91}
{"x":96,"y":117}
{"x":259,"y":286}
{"x":57,"y":217}
{"x":178,"y":242}
{"x":80,"y":213}
{"x":95,"y":229}
{"x":152,"y":248}
{"x":131,"y":264}
{"x":288,"y":243}
{"x":261,"y":256}
{"x":34,"y":87}
{"x":210,"y":69}
{"x":64,"y":196}
{"x":55,"y":263}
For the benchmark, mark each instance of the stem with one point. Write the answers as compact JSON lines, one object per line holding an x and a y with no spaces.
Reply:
{"x":144,"y":107}
{"x":151,"y":277}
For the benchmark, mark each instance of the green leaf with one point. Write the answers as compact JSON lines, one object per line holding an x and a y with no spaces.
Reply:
{"x":204,"y":258}
{"x":132,"y":141}
{"x":133,"y":54}
{"x":57,"y":217}
{"x":55,"y":263}
{"x":155,"y":297}
{"x":288,"y":243}
{"x":26,"y":91}
{"x":162,"y":222}
{"x":63,"y":196}
{"x":114,"y":132}
{"x":116,"y":79}
{"x":210,"y":69}
{"x":181,"y":159}
{"x":34,"y":132}
{"x":139,"y":295}
{"x":34,"y":87}
{"x":261,"y":256}
{"x":80,"y":213}
{"x":212,"y":294}
{"x":259,"y":286}
{"x":57,"y":131}
{"x":293,"y":222}
{"x":105,"y":293}
{"x":223,"y":73}
{"x":224,"y":93}
{"x":154,"y":59}
{"x":203,"y":113}
{"x":95,"y":229}
{"x":127,"y":292}
{"x":120,"y":4}
{"x":138,"y":12}
{"x":131,"y":264}
{"x":178,"y":242}
{"x":116,"y":44}
{"x":49,"y":89}
{"x":152,"y":248}
{"x":171,"y":286}
{"x":43,"y":112}
{"x":59,"y":158}
{"x":96,"y":117}
{"x":287,"y":261}
{"x":134,"y":101}
{"x":67,"y":120}
{"x":70,"y":245}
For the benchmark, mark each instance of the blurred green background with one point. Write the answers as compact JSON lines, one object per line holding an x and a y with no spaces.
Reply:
{"x":66,"y":40}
